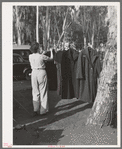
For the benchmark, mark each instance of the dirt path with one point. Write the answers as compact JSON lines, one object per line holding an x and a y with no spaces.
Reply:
{"x":63,"y":125}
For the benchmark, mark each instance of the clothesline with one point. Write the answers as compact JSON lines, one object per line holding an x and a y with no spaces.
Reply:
{"x":63,"y":49}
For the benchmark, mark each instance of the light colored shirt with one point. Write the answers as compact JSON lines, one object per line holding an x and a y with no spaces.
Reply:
{"x":37,"y":60}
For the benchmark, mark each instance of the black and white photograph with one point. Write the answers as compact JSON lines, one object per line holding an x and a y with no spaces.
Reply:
{"x":61,"y":74}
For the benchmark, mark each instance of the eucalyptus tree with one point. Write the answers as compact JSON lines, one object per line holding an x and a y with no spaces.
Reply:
{"x":24,"y":24}
{"x":53,"y":22}
{"x":104,"y":110}
{"x":97,"y":26}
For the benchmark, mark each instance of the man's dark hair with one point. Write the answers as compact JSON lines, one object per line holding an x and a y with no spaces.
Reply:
{"x":34,"y":47}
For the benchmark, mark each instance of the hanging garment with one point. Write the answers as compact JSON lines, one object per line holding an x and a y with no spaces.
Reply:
{"x":51,"y":75}
{"x":68,"y":72}
{"x":57,"y":61}
{"x":51,"y":72}
{"x":88,"y":70}
{"x":73,"y":56}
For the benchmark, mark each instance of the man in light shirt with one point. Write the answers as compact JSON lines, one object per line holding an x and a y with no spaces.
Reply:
{"x":39,"y":79}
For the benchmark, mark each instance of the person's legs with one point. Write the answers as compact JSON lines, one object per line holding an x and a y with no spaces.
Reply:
{"x":43,"y":89}
{"x":35,"y":91}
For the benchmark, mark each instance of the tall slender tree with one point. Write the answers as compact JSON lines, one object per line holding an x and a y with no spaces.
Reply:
{"x":37,"y":24}
{"x":18,"y":27}
{"x":104,"y":110}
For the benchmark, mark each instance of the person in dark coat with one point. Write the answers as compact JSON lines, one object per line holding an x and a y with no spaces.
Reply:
{"x":68,"y":68}
{"x":88,"y":70}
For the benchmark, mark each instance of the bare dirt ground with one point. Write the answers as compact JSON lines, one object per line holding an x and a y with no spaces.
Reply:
{"x":63,"y":125}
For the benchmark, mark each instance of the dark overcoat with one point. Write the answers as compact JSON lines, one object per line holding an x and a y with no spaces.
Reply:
{"x":57,"y":61}
{"x":88,"y":70}
{"x":51,"y":73}
{"x":68,"y":70}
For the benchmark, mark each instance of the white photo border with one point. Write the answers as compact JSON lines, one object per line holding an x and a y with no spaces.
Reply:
{"x":7,"y":70}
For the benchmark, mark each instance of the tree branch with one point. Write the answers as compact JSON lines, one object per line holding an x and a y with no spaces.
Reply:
{"x":62,"y":35}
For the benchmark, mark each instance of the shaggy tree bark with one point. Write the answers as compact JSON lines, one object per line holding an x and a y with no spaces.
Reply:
{"x":104,"y":110}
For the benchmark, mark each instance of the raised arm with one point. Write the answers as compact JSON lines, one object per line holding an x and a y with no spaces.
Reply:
{"x":47,"y":58}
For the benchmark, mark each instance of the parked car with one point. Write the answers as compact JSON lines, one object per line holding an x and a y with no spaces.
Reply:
{"x":21,"y":67}
{"x":23,"y":50}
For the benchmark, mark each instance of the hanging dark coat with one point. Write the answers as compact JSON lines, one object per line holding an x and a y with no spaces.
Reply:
{"x":68,"y":70}
{"x":57,"y":61}
{"x":51,"y":72}
{"x":88,"y":70}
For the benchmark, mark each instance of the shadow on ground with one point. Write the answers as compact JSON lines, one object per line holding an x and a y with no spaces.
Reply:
{"x":23,"y":107}
{"x":30,"y":137}
{"x":59,"y":110}
{"x":67,"y":110}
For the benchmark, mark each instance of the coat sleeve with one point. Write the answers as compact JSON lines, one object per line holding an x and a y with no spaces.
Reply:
{"x":79,"y":71}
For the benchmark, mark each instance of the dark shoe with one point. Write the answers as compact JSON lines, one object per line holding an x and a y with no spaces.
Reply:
{"x":34,"y":114}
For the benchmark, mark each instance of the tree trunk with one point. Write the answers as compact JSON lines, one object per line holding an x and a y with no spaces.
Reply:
{"x":64,"y":28}
{"x":92,"y":38}
{"x":98,"y":42}
{"x":37,"y":25}
{"x":23,"y":38}
{"x":47,"y":15}
{"x":104,"y":110}
{"x":14,"y":38}
{"x":43,"y":22}
{"x":48,"y":27}
{"x":54,"y":43}
{"x":18,"y":27}
{"x":84,"y":41}
{"x":56,"y":26}
{"x":44,"y":33}
{"x":44,"y":37}
{"x":62,"y":35}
